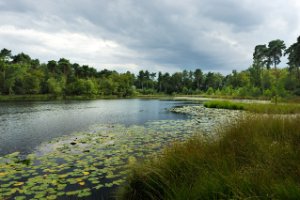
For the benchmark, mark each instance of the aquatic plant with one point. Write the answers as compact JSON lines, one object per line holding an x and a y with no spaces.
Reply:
{"x":97,"y":161}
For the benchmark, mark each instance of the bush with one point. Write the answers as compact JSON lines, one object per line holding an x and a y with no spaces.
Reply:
{"x":82,"y":87}
{"x":210,"y":91}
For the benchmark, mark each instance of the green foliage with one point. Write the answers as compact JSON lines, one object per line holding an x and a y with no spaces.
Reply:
{"x":257,"y":158}
{"x":31,"y":84}
{"x":274,"y":52}
{"x":210,"y":91}
{"x":20,"y":74}
{"x":268,"y":108}
{"x":55,"y":87}
{"x":82,"y":87}
{"x":224,"y":105}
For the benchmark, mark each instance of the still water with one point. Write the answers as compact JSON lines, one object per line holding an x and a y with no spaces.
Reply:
{"x":25,"y":125}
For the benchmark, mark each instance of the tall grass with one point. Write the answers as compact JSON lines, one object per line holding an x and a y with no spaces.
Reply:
{"x":225,"y":105}
{"x":259,"y":158}
{"x":269,"y":108}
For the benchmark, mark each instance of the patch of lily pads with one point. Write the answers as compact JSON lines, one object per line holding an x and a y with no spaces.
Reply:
{"x":84,"y":163}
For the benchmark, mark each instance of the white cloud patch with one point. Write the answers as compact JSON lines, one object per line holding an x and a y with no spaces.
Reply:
{"x":75,"y":46}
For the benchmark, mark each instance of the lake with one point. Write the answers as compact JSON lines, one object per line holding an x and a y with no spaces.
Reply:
{"x":25,"y":125}
{"x":84,"y":149}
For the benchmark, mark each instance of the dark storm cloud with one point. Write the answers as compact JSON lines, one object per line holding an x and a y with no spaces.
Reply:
{"x":211,"y":34}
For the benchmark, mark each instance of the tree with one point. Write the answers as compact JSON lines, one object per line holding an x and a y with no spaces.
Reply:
{"x":187,"y":80}
{"x":65,"y":66}
{"x":144,"y":79}
{"x":198,"y":78}
{"x":5,"y":54}
{"x":31,"y":84}
{"x":55,"y":87}
{"x":76,"y":68}
{"x":107,"y":86}
{"x":52,"y":66}
{"x":260,"y":54}
{"x":293,"y":53}
{"x":125,"y":83}
{"x":165,"y":83}
{"x":256,"y":74}
{"x":176,"y":82}
{"x":105,"y":73}
{"x":213,"y":80}
{"x":21,"y":58}
{"x":275,"y":52}
{"x":82,"y":87}
{"x":34,"y":64}
{"x":13,"y":72}
{"x":159,"y":82}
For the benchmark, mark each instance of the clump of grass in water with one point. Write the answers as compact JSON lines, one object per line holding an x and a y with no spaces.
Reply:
{"x":257,"y":158}
{"x":225,"y":105}
{"x":270,"y":108}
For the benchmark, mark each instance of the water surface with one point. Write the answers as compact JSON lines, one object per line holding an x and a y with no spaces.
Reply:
{"x":25,"y":125}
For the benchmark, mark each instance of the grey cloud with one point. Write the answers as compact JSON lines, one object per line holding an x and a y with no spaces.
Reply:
{"x":241,"y":15}
{"x":14,"y":6}
{"x":212,"y":34}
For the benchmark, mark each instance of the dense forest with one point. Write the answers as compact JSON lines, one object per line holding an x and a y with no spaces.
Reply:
{"x":22,"y":75}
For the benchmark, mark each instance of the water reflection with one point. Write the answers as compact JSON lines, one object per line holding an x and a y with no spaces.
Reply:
{"x":24,"y":125}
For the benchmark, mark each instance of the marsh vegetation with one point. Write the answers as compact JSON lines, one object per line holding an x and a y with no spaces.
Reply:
{"x":256,"y":158}
{"x":265,"y":108}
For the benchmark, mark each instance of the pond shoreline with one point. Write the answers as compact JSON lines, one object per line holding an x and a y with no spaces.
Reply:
{"x":210,"y":119}
{"x":47,"y":97}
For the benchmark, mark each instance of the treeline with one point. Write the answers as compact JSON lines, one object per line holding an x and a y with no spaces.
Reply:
{"x":22,"y":75}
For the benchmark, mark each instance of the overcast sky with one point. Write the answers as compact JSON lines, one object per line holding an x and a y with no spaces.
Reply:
{"x":158,"y":35}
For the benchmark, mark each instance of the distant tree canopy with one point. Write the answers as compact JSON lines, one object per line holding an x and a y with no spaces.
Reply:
{"x":20,"y":74}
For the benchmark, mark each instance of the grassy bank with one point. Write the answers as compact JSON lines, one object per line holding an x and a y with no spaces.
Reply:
{"x":257,"y":159}
{"x":38,"y":97}
{"x":269,"y":108}
{"x":45,"y":97}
